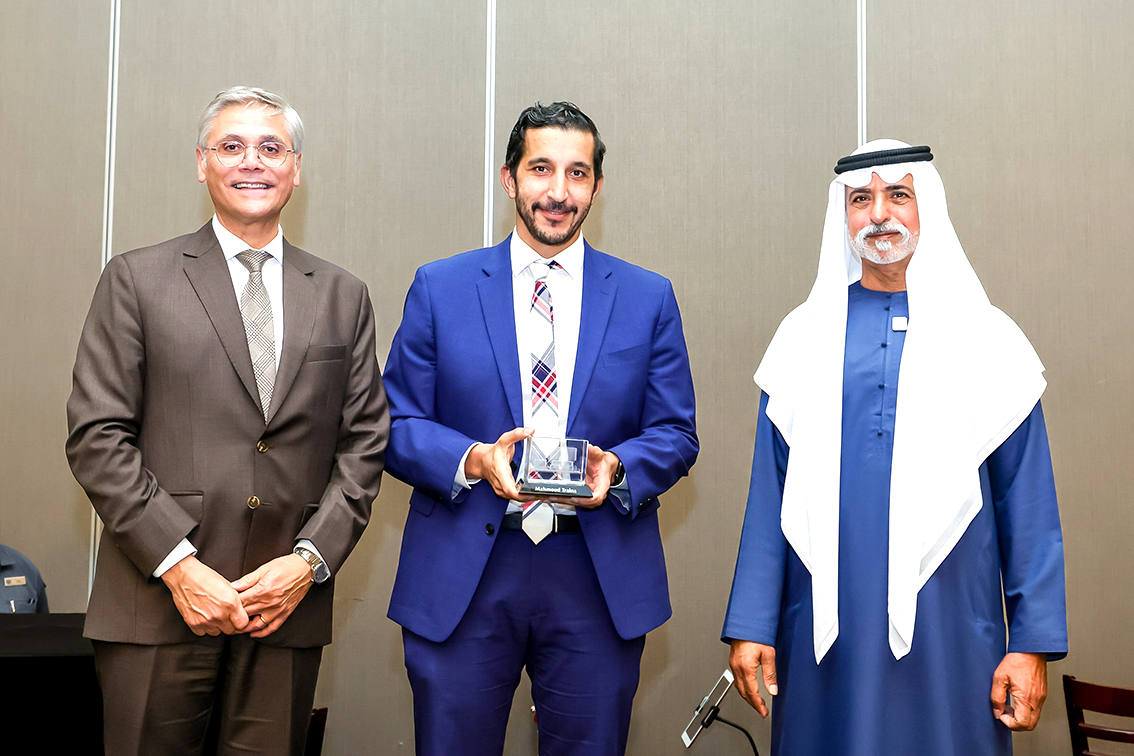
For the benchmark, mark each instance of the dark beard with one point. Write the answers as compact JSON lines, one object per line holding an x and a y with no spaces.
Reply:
{"x":528,"y":216}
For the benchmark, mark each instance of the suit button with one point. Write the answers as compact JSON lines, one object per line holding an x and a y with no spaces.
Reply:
{"x":253,"y":502}
{"x":489,"y":529}
{"x":261,"y":447}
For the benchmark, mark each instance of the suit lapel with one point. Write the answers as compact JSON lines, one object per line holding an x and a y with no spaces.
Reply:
{"x":299,"y":298}
{"x":207,"y":271}
{"x":495,"y":291}
{"x":598,"y":301}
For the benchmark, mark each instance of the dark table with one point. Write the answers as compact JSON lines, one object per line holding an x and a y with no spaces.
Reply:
{"x":50,"y":688}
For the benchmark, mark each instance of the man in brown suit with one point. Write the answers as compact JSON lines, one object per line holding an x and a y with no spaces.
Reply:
{"x":233,"y":462}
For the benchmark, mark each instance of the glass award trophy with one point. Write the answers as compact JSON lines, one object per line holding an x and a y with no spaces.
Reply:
{"x":554,"y":467}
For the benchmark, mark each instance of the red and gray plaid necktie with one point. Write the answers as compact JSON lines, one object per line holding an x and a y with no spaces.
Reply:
{"x":539,"y":518}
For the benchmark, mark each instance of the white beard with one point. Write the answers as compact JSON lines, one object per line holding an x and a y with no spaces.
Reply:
{"x":884,"y":252}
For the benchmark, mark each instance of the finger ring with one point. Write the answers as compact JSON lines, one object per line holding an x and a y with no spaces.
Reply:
{"x":263,"y":621}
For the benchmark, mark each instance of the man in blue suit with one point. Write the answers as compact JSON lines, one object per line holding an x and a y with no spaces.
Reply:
{"x":540,"y":333}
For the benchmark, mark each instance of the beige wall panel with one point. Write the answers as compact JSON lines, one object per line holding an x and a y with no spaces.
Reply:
{"x":53,"y":83}
{"x":1027,"y":108}
{"x":722,"y":122}
{"x":392,"y":95}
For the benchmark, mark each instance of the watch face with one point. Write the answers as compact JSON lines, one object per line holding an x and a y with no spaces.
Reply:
{"x":317,"y":565}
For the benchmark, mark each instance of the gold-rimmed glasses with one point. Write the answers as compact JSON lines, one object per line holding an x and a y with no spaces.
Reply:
{"x":232,"y":153}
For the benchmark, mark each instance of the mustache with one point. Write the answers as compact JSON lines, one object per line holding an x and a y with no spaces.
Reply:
{"x":893,"y":227}
{"x":553,"y":206}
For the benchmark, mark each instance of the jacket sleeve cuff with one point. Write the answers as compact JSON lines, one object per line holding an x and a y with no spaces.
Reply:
{"x":460,"y":481}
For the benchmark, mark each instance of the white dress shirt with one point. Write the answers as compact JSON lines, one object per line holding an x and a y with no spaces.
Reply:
{"x":566,"y":288}
{"x":272,"y":272}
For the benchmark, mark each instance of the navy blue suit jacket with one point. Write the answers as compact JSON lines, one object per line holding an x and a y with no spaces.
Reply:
{"x":453,"y":379}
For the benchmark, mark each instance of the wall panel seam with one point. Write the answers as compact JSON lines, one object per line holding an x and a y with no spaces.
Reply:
{"x":489,"y":119}
{"x":107,"y":213}
{"x":861,"y":46}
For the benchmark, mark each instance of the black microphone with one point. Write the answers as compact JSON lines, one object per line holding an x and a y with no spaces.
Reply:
{"x":709,"y":711}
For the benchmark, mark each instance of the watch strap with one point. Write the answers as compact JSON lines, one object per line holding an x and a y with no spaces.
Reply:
{"x":318,"y":566}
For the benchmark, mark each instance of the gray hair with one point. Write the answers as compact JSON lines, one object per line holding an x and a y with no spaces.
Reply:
{"x":250,"y":96}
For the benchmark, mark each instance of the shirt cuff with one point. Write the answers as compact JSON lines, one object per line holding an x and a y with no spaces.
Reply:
{"x":180,"y":551}
{"x":303,"y":543}
{"x":621,"y":493}
{"x":460,"y":482}
{"x":622,"y":485}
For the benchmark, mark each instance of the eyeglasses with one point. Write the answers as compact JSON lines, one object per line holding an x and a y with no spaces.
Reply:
{"x":272,"y":154}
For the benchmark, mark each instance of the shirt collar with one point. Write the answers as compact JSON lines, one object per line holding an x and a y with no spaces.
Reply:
{"x":232,"y":245}
{"x":570,"y":259}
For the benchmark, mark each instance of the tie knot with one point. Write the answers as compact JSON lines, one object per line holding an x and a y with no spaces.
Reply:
{"x":253,"y":259}
{"x":541,"y":268}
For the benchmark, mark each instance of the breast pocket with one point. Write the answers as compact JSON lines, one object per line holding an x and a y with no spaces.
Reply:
{"x":20,"y":604}
{"x":326,"y":353}
{"x":628,"y":355}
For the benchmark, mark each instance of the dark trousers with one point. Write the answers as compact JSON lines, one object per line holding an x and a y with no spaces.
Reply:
{"x":539,"y":607}
{"x":217,"y":695}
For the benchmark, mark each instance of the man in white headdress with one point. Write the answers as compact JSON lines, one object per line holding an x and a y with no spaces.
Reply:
{"x":888,"y":534}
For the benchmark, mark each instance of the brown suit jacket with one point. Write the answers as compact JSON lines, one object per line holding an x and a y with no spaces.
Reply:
{"x":168,"y":439}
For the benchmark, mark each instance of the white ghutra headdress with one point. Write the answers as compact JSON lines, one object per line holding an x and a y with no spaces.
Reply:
{"x":969,"y":378}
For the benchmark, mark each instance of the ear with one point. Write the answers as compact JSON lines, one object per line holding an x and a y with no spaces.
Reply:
{"x":298,"y":165}
{"x":508,"y":181}
{"x":202,"y":158}
{"x":598,"y":188}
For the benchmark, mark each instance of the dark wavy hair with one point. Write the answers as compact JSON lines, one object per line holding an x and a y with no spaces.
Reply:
{"x":561,"y":115}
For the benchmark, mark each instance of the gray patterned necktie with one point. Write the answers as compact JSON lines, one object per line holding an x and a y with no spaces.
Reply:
{"x":256,"y":310}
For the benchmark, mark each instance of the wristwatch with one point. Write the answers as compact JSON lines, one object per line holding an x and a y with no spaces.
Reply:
{"x":318,"y":566}
{"x":619,"y":476}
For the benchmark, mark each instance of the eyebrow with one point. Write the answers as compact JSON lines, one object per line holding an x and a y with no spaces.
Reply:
{"x":238,"y":138}
{"x":889,"y":188}
{"x":541,"y":160}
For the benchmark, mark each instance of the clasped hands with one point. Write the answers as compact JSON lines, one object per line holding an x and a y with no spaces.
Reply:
{"x":257,"y":604}
{"x":493,"y":463}
{"x":1022,"y":675}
